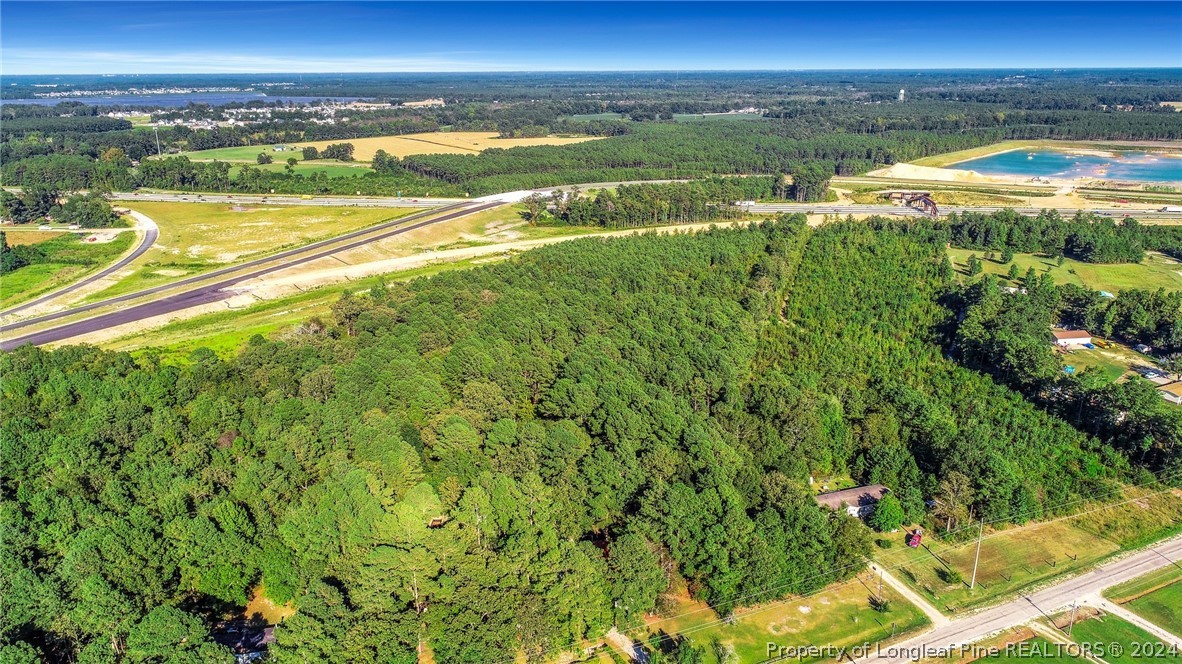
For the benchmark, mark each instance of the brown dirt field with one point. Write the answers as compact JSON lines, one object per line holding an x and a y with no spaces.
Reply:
{"x":451,"y":142}
{"x":15,"y":238}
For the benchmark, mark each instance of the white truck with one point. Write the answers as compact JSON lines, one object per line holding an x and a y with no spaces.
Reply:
{"x":1171,"y":208}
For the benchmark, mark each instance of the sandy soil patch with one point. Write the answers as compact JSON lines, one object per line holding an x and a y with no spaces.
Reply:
{"x":100,"y":238}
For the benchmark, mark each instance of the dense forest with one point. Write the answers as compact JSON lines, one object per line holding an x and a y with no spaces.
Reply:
{"x":510,"y":459}
{"x":1086,"y":237}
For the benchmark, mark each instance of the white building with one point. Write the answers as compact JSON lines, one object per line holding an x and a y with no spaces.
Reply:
{"x":1067,"y":338}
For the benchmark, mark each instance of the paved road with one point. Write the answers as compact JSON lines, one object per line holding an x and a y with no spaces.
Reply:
{"x":205,"y":291}
{"x":151,"y":232}
{"x":843,"y":209}
{"x":976,"y":626}
{"x":315,"y":201}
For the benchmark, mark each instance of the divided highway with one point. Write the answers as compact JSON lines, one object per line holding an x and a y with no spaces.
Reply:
{"x":208,"y":287}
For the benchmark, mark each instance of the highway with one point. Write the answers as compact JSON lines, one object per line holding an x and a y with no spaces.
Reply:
{"x":205,"y":288}
{"x":151,"y":233}
{"x":971,"y":628}
{"x":257,"y":199}
{"x":211,"y":287}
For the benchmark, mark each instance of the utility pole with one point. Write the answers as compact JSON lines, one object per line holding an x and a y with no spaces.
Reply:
{"x":1071,"y":624}
{"x":977,"y":558}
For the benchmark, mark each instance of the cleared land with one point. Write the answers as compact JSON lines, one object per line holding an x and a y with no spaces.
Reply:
{"x":224,"y":332}
{"x":1156,"y":271}
{"x":1163,"y":607}
{"x":841,"y":615}
{"x":195,"y":237}
{"x":70,"y":258}
{"x":1021,"y":557}
{"x":455,"y":142}
{"x":1156,"y":597}
{"x":948,"y":158}
{"x":1108,"y":630}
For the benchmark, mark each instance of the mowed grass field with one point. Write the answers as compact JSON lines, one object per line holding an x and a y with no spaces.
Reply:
{"x":1156,"y":271}
{"x":840,"y":615}
{"x":1162,"y":607}
{"x":195,"y":237}
{"x":444,"y":142}
{"x":1107,"y":630}
{"x":1157,"y":597}
{"x":70,"y":259}
{"x":1037,"y":553}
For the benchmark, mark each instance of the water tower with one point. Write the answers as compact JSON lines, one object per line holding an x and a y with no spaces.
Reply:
{"x":902,"y":94}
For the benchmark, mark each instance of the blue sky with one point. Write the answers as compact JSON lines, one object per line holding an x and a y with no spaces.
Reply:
{"x":99,"y":37}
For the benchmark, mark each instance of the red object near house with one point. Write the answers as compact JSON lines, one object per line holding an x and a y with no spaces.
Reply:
{"x":914,"y":539}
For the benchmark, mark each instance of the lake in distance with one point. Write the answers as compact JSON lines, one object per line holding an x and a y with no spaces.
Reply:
{"x":1131,"y":166}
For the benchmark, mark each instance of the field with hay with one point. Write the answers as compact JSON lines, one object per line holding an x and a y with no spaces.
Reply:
{"x":445,"y":142}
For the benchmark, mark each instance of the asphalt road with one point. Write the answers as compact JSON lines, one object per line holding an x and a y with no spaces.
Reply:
{"x":831,"y":208}
{"x":150,"y":235}
{"x":315,"y":201}
{"x":1045,"y":602}
{"x":204,"y":290}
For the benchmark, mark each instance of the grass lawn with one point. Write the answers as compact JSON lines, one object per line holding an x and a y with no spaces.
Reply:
{"x":1156,"y":271}
{"x":332,"y":168}
{"x":1107,"y":630}
{"x":1162,"y":607}
{"x":1020,"y":557}
{"x":195,"y":237}
{"x":69,"y":259}
{"x":839,"y":615}
{"x":1112,"y":362}
{"x":1143,"y":585}
{"x":446,"y":142}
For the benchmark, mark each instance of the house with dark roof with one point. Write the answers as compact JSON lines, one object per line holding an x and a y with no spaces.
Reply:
{"x":858,"y":501}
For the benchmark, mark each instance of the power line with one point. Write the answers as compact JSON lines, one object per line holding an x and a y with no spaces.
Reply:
{"x":796,"y":598}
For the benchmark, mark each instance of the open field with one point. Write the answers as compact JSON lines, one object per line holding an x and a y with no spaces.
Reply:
{"x":1034,"y":554}
{"x":840,"y":615}
{"x":1162,"y":607}
{"x":331,"y":168}
{"x":17,"y":236}
{"x":225,"y":332}
{"x":1143,"y":585}
{"x":447,"y":142}
{"x":1112,"y":362}
{"x":1156,"y":271}
{"x":1108,"y":630}
{"x":195,"y":237}
{"x":69,"y":260}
